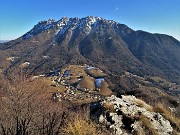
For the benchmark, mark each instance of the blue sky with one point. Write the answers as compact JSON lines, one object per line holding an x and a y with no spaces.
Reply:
{"x":156,"y":16}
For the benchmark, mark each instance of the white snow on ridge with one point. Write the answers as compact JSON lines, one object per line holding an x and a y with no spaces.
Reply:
{"x":61,"y":26}
{"x":74,"y":23}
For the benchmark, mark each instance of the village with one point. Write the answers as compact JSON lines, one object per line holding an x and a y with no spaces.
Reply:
{"x":78,"y":83}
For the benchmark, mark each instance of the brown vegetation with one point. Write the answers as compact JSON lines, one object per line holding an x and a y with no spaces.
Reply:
{"x":26,"y":109}
{"x":167,"y":114}
{"x":88,"y":83}
{"x":108,"y":106}
{"x":95,"y":73}
{"x":104,"y":90}
{"x":79,"y":124}
{"x":142,"y":104}
{"x":148,"y":128}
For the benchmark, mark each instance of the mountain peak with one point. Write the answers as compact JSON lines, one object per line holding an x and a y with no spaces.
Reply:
{"x":87,"y":23}
{"x":101,"y":40}
{"x":51,"y":19}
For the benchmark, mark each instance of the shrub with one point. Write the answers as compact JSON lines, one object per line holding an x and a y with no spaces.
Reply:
{"x":79,"y":125}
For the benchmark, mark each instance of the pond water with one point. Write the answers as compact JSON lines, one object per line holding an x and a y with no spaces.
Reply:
{"x":98,"y":82}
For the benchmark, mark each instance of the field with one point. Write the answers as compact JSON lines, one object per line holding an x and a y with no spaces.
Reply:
{"x":73,"y":84}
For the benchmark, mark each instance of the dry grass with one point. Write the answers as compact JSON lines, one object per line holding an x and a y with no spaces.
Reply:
{"x":157,"y":78}
{"x":104,"y":90}
{"x":148,"y":127}
{"x":75,"y":70}
{"x":108,"y":106}
{"x":174,"y":120}
{"x":79,"y":125}
{"x":47,"y":84}
{"x":160,"y":80}
{"x":159,"y":108}
{"x":78,"y":122}
{"x":88,"y":83}
{"x":73,"y":80}
{"x":95,"y":73}
{"x":142,"y":104}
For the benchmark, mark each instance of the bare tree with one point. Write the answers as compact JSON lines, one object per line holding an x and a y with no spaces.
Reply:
{"x":24,"y":111}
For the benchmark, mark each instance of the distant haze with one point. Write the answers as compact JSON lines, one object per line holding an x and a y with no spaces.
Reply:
{"x":3,"y":41}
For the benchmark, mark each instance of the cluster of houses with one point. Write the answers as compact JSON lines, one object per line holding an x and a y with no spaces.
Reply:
{"x":73,"y":92}
{"x":70,"y":95}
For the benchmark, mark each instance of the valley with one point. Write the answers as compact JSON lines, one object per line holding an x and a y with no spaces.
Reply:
{"x":93,"y":73}
{"x":77,"y":84}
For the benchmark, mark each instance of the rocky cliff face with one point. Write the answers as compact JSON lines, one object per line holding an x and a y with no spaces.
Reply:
{"x":129,"y":115}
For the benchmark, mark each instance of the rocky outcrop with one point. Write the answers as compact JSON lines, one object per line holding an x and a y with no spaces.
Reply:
{"x":129,"y":115}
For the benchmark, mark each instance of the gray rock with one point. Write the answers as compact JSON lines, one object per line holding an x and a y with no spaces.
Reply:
{"x":125,"y":116}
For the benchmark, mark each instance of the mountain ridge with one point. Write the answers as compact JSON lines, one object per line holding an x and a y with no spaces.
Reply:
{"x":100,"y":42}
{"x":51,"y":23}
